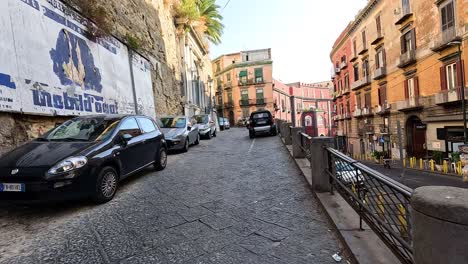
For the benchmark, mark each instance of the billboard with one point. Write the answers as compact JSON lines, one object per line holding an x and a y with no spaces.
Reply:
{"x":49,"y":67}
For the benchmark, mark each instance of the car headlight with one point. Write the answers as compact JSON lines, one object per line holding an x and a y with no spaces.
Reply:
{"x":68,"y":164}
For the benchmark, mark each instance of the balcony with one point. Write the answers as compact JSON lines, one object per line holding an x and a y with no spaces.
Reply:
{"x":346,"y":91}
{"x":228,"y":85}
{"x":347,"y":115}
{"x":366,"y":112}
{"x":248,"y":82}
{"x":382,"y":109}
{"x":380,"y":73}
{"x":442,"y":42}
{"x":369,"y":129}
{"x":360,"y":83}
{"x":410,"y":104}
{"x":384,"y":130}
{"x":450,"y":97}
{"x":357,"y":112}
{"x":405,"y":13}
{"x":378,"y":38}
{"x":407,"y":58}
{"x":228,"y":105}
{"x":343,"y":65}
{"x":363,"y":50}
{"x":251,"y":102}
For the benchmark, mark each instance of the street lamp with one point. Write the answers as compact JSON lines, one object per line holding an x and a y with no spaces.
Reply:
{"x":462,"y":79}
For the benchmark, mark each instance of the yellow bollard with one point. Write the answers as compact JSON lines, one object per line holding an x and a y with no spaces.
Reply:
{"x":432,"y":163}
{"x":421,"y":164}
{"x":459,"y":168}
{"x":404,"y":162}
{"x":380,"y":203}
{"x":402,"y":219}
{"x":445,"y":166}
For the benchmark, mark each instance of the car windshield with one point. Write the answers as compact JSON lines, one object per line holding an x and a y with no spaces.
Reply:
{"x":201,"y":119}
{"x":342,"y":166}
{"x":260,"y":115}
{"x":173,"y":122}
{"x":82,"y":129}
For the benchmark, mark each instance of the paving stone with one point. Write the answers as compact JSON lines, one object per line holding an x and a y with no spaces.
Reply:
{"x":179,"y":253}
{"x":218,"y":221}
{"x":194,"y":213}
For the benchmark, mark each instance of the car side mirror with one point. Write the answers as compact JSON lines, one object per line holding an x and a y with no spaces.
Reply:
{"x":123,"y":139}
{"x":189,"y":127}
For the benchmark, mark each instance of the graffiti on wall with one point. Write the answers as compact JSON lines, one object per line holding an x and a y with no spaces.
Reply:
{"x":48,"y":66}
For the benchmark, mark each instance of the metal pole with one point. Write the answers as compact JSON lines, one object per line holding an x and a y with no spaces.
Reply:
{"x":400,"y":142}
{"x":462,"y":79}
{"x":132,"y":78}
{"x":293,"y":111}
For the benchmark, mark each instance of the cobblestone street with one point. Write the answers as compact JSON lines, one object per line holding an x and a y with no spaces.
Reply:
{"x":228,"y":200}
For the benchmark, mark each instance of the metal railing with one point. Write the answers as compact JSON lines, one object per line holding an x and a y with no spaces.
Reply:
{"x":381,"y":202}
{"x":290,"y":132}
{"x":305,"y":145}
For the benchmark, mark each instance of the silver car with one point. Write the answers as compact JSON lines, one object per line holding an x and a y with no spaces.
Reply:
{"x":206,"y":125}
{"x":179,"y":132}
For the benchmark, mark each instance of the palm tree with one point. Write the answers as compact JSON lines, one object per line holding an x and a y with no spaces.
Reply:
{"x":211,"y":18}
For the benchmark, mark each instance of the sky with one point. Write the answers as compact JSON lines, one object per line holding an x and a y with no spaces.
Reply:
{"x":300,"y":33}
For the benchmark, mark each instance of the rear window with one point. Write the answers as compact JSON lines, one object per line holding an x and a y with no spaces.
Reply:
{"x":261,"y":115}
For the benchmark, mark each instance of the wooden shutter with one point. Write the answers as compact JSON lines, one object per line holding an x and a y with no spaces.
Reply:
{"x":377,"y":62}
{"x":406,"y":89}
{"x":416,"y":86}
{"x":384,"y":58}
{"x":413,"y":38}
{"x":443,"y":79}
{"x":383,"y":90}
{"x":402,"y":43}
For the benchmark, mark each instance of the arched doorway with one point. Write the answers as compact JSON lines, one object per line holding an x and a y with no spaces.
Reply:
{"x":231,"y":118}
{"x":415,"y":137}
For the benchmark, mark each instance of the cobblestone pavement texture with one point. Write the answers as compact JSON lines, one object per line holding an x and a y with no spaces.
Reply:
{"x":222,"y":202}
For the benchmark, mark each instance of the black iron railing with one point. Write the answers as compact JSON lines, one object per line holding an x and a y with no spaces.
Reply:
{"x":381,"y":202}
{"x":290,"y":132}
{"x":305,"y":144}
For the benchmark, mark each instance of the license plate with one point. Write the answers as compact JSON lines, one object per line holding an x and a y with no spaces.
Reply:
{"x":12,"y":187}
{"x":262,"y":122}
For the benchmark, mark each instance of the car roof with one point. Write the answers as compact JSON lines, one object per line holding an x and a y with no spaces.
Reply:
{"x":173,"y":117}
{"x":112,"y":116}
{"x":261,"y":111}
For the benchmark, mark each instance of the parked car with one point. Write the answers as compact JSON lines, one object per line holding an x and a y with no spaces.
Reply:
{"x":227,"y":125}
{"x":261,"y":122}
{"x":224,"y":123}
{"x":206,"y":125}
{"x":179,"y":132}
{"x":84,"y":157}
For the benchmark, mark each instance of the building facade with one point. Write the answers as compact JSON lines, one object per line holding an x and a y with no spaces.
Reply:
{"x":314,"y":97}
{"x":405,"y":70}
{"x":243,"y":84}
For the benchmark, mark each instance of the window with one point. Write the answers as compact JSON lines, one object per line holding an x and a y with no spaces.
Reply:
{"x":228,"y":77}
{"x":364,"y":40}
{"x":356,"y":72}
{"x":244,"y":95}
{"x":130,"y":126}
{"x":229,"y":96}
{"x":299,"y":108}
{"x":380,"y":59}
{"x":365,"y":68}
{"x":358,"y":101}
{"x":405,"y":5}
{"x":447,"y":16}
{"x":146,"y":125}
{"x":218,"y":67}
{"x":408,"y":41}
{"x":451,"y":75}
{"x":411,"y":88}
{"x":259,"y":93}
{"x":346,"y":81}
{"x":283,"y":106}
{"x":383,"y":95}
{"x":243,"y":77}
{"x":378,"y":25}
{"x":354,"y":47}
{"x":367,"y":100}
{"x":320,"y":121}
{"x":259,"y":75}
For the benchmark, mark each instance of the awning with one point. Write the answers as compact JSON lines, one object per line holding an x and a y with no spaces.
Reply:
{"x":243,"y":74}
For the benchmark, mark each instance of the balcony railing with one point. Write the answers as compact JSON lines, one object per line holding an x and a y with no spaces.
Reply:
{"x":250,"y":102}
{"x":380,"y":73}
{"x":357,"y":112}
{"x":258,"y":80}
{"x":405,"y":13}
{"x":409,"y":104}
{"x":407,"y":58}
{"x":447,"y":36}
{"x":347,"y":115}
{"x":360,"y":83}
{"x":452,"y":96}
{"x":384,"y":129}
{"x":343,"y":65}
{"x":382,"y":109}
{"x":367,"y":111}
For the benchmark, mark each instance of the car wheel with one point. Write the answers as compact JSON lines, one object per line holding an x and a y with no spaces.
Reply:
{"x":186,"y":146}
{"x":161,"y":161}
{"x":209,"y":135}
{"x":198,"y":140}
{"x":106,"y":185}
{"x":274,"y":133}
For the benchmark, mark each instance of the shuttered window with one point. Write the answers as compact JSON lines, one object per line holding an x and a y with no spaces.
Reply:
{"x":447,"y":16}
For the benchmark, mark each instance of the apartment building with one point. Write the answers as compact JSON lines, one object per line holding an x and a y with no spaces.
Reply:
{"x":244,"y":83}
{"x":403,"y":67}
{"x":307,"y":97}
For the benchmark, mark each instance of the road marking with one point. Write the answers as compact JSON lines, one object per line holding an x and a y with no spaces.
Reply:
{"x":251,"y":146}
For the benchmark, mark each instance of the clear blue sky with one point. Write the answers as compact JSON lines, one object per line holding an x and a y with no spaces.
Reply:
{"x":300,"y":33}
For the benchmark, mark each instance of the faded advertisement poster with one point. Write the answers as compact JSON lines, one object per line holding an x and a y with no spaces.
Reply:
{"x":48,"y":66}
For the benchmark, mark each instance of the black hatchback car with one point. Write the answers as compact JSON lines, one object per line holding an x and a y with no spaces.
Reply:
{"x":261,"y":122}
{"x":84,"y":157}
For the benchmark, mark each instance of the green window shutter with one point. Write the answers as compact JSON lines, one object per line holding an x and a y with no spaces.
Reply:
{"x":243,"y":74}
{"x":259,"y":72}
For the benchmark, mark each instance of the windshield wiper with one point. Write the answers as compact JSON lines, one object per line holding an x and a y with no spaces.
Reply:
{"x":42,"y":139}
{"x":68,"y":139}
